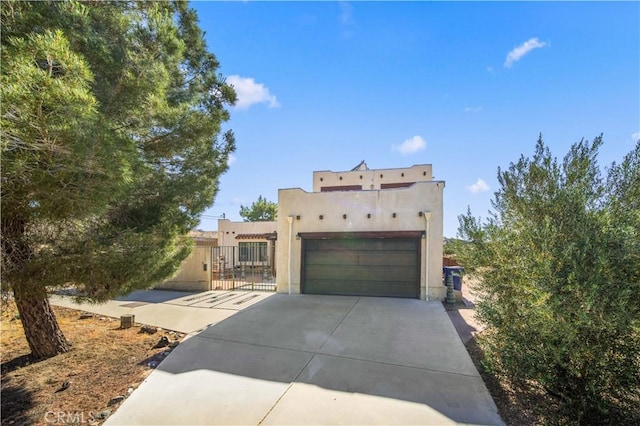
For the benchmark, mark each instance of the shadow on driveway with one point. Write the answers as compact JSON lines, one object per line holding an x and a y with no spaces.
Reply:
{"x":318,"y":360}
{"x":155,"y":296}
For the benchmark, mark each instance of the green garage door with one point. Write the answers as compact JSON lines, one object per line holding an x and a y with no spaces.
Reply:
{"x":387,"y":267}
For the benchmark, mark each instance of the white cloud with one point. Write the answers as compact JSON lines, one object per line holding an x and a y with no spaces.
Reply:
{"x":232,"y":159}
{"x":479,"y":186}
{"x":410,"y":146}
{"x":635,"y":136}
{"x":250,"y":93}
{"x":473,"y":109}
{"x":519,"y":51}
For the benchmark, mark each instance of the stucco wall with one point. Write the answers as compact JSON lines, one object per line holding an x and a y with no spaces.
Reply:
{"x":406,"y":203}
{"x":191,"y":275}
{"x":228,"y":230}
{"x":372,"y":179}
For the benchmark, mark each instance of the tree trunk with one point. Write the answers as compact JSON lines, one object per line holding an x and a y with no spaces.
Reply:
{"x":38,"y":320}
{"x":40,"y":325}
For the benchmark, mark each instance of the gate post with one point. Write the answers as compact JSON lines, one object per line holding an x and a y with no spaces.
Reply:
{"x":211,"y":268}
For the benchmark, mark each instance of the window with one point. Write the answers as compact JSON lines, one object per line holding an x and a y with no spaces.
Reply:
{"x":253,"y":251}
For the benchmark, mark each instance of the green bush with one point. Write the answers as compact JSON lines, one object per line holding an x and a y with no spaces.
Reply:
{"x":559,"y":259}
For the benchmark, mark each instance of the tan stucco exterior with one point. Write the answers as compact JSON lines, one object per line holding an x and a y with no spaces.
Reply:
{"x":371,"y":179}
{"x":194,"y":273}
{"x":228,"y":231}
{"x":382,"y":200}
{"x":366,"y":211}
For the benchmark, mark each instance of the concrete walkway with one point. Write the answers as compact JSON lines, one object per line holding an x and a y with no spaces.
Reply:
{"x":172,"y":310}
{"x":303,"y":360}
{"x":464,"y":319}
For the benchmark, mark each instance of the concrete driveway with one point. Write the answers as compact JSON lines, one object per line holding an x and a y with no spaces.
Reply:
{"x":303,"y":359}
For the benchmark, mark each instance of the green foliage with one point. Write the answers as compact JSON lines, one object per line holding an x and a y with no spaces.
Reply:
{"x":453,"y":246}
{"x":559,"y":259}
{"x":260,"y":211}
{"x":112,"y":142}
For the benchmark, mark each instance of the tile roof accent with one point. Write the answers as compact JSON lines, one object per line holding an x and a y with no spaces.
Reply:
{"x":267,"y":236}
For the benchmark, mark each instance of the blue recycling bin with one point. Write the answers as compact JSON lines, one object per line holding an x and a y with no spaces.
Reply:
{"x":456,"y":272}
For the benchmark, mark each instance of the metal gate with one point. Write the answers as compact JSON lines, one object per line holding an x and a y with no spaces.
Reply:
{"x":250,"y":267}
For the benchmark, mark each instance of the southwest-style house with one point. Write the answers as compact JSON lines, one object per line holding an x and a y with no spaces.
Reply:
{"x":363,"y":232}
{"x":359,"y":232}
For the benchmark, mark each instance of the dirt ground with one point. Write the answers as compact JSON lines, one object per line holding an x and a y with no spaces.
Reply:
{"x":83,"y":386}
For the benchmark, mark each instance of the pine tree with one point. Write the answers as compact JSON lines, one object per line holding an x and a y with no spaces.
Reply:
{"x":112,"y":146}
{"x":259,"y":211}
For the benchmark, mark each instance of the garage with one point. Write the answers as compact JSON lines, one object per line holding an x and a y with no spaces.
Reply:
{"x":383,"y":264}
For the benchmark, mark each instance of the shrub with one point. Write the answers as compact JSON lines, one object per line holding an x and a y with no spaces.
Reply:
{"x":559,"y":259}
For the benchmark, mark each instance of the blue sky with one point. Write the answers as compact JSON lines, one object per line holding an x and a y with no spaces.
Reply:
{"x":467,"y":87}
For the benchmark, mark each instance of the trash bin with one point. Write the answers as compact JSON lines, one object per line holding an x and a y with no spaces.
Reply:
{"x":456,"y":272}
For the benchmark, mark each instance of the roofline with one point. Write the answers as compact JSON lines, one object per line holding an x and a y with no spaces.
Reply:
{"x":371,"y":170}
{"x":420,"y":182}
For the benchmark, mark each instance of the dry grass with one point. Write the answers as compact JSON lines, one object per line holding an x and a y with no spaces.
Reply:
{"x":105,"y":362}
